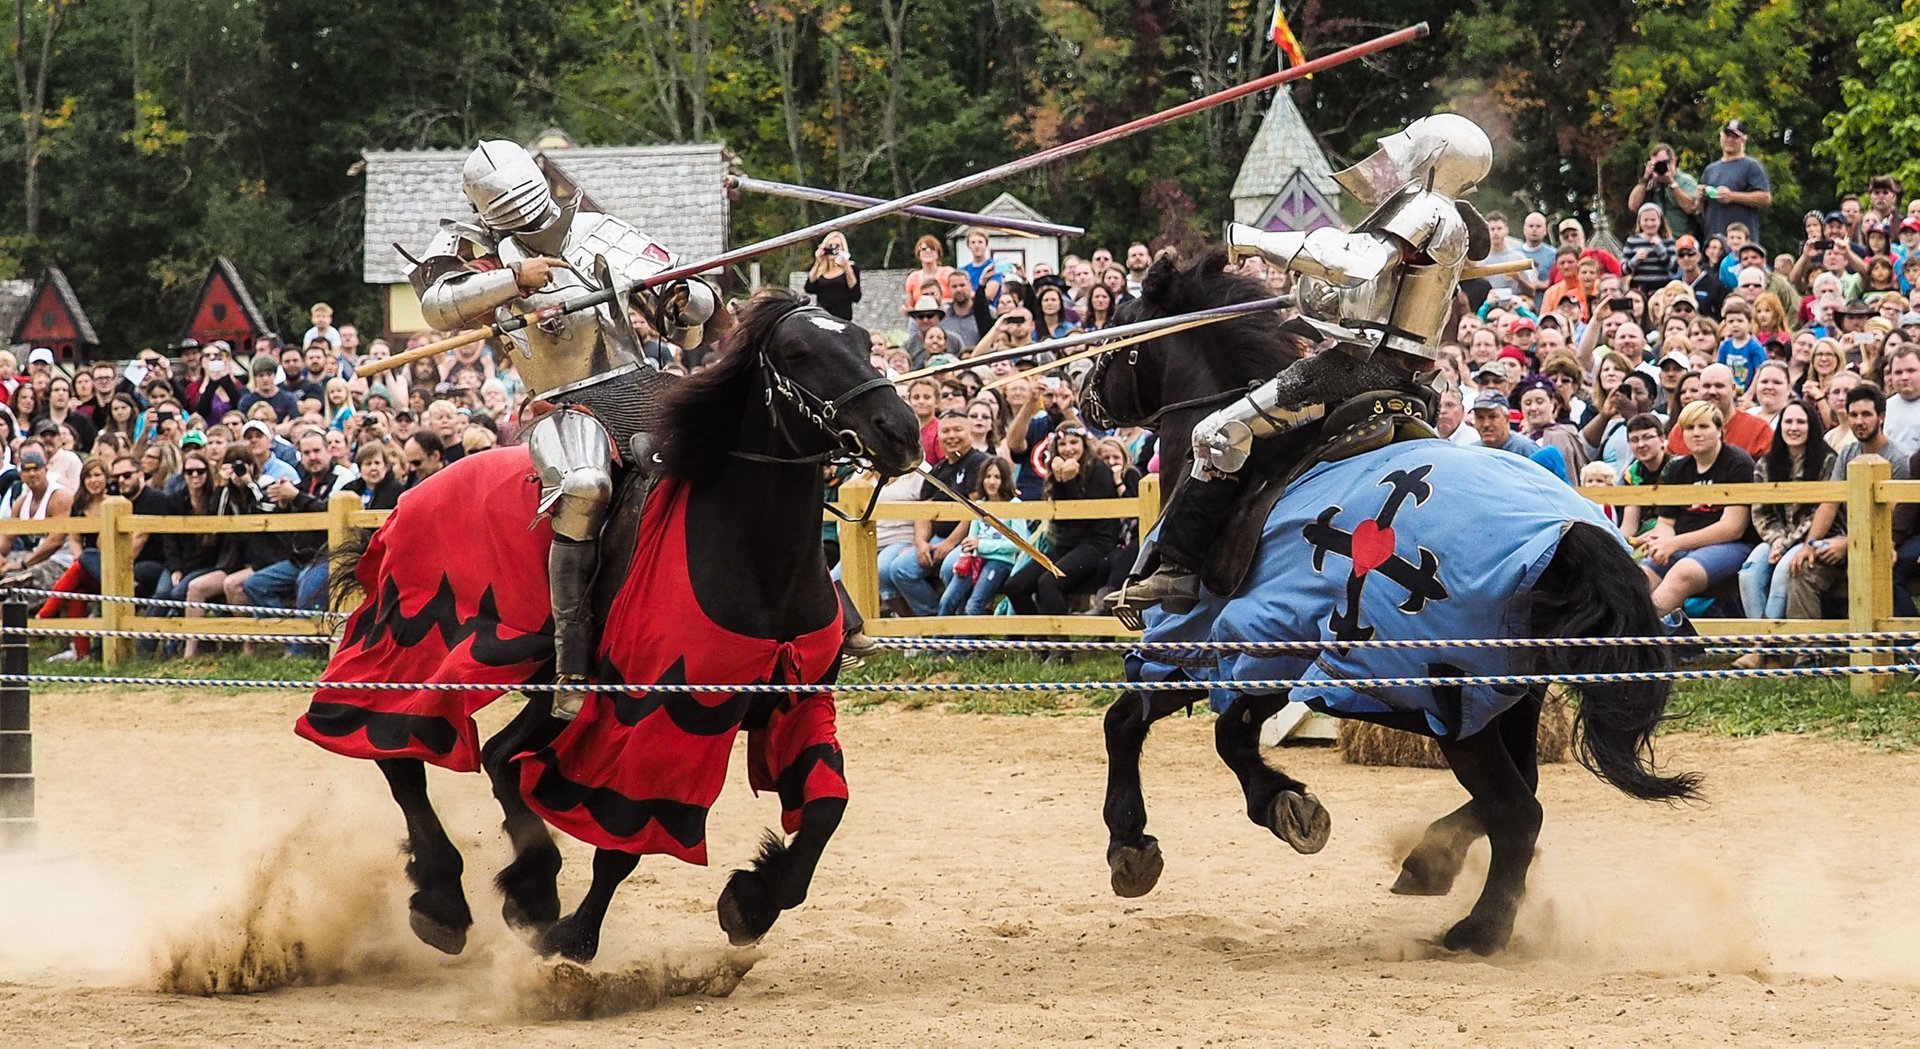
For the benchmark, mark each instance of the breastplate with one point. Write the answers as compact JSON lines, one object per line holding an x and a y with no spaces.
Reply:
{"x":572,"y":348}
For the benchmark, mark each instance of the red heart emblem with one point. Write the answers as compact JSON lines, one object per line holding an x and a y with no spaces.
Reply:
{"x":1372,"y":546}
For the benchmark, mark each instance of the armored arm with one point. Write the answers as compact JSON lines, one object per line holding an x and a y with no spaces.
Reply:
{"x":454,"y":293}
{"x":1346,"y":259}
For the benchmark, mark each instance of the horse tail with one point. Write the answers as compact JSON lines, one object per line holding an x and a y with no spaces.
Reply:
{"x":1593,"y":589}
{"x":343,"y":569}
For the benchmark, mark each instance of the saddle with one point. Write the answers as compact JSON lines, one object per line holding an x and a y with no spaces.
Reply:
{"x":1360,"y":425}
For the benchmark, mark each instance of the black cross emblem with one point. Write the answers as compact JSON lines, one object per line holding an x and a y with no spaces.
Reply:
{"x":1370,"y":548}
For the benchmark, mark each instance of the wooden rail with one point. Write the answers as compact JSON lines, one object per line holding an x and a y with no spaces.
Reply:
{"x":1868,"y":492}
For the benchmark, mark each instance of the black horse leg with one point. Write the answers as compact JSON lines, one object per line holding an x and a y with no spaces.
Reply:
{"x":438,"y":910}
{"x":1133,"y":855}
{"x":529,"y":889}
{"x":780,"y":875}
{"x":577,"y":936}
{"x":1275,"y":800}
{"x":1429,"y":870}
{"x":1505,"y":804}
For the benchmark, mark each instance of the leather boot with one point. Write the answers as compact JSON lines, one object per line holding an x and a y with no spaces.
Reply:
{"x":571,"y":567}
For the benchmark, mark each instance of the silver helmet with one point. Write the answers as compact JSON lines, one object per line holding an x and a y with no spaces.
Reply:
{"x":507,"y":188}
{"x":1447,"y":151}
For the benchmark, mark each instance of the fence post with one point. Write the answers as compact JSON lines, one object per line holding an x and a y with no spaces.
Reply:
{"x":17,"y":826}
{"x":1149,"y":503}
{"x":859,"y":549}
{"x":116,"y":577}
{"x":1869,"y":564}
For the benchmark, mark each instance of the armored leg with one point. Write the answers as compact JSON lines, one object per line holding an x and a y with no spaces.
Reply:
{"x":1222,"y":443}
{"x":571,"y":452}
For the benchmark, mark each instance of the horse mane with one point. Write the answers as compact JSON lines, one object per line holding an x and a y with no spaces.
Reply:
{"x":705,"y":410}
{"x":1253,"y":342}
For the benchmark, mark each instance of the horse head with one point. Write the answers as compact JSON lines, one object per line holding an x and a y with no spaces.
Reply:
{"x":1144,"y":384}
{"x":794,"y":384}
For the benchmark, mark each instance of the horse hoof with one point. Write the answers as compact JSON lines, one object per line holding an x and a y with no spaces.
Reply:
{"x":1417,"y":878}
{"x":1300,"y":821}
{"x":1136,"y":868}
{"x":571,"y":939}
{"x":1482,"y":936}
{"x":745,"y":909}
{"x":530,"y":896}
{"x":436,"y":934}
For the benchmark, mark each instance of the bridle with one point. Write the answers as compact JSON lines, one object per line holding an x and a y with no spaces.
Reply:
{"x":1095,"y":407}
{"x":820,"y":413}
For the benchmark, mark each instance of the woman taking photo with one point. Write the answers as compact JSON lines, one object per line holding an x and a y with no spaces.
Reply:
{"x":1798,"y":454}
{"x":834,"y":281}
{"x":1691,"y":549}
{"x":237,"y":491}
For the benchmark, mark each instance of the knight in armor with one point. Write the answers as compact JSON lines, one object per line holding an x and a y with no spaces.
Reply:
{"x":528,"y":251}
{"x":1375,"y":299}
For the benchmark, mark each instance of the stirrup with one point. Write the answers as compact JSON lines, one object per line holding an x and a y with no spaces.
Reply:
{"x":567,"y":705}
{"x":1175,"y":592}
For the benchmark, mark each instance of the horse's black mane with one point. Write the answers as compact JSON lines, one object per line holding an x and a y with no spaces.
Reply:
{"x":1253,"y":341}
{"x":705,"y":410}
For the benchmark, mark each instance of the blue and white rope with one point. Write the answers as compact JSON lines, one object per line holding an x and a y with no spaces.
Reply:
{"x":964,"y":644}
{"x":959,"y":688}
{"x":267,"y":611}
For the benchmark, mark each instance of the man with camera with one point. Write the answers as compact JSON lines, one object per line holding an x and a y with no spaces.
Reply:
{"x":1663,"y":183}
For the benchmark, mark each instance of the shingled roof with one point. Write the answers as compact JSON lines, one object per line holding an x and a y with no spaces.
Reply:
{"x":671,"y":193}
{"x":14,"y":296}
{"x":1283,"y":145}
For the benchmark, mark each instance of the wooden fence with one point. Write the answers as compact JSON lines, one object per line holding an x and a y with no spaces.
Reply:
{"x":1868,"y":492}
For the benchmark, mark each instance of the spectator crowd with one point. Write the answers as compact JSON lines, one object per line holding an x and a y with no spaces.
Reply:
{"x":1692,"y":354}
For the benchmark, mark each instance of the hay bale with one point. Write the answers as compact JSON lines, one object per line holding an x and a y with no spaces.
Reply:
{"x":1364,"y":743}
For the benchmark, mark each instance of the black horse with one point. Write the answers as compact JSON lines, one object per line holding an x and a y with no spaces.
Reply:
{"x":1591,"y":588}
{"x":747,"y":437}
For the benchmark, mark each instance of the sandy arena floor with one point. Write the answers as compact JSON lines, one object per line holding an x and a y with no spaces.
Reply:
{"x":189,"y":840}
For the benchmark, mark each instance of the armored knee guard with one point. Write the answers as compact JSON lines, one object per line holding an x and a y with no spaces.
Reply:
{"x":571,"y":452}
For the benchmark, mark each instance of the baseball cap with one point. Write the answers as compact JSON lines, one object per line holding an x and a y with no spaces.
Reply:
{"x":1514,"y":353}
{"x":265,"y":365}
{"x":1736,"y":126}
{"x":193,"y":439}
{"x":1909,"y":223}
{"x":256,"y":425}
{"x":1910,"y":318}
{"x":378,"y":390}
{"x":1522,"y":324}
{"x":1490,"y":400}
{"x":1570,"y":223}
{"x":1837,"y":216}
{"x":1492,"y":369}
{"x":1751,"y":248}
{"x":46,"y":427}
{"x":1677,"y":358}
{"x":32,"y":458}
{"x":188,"y":343}
{"x":1686,"y":242}
{"x":40,"y":355}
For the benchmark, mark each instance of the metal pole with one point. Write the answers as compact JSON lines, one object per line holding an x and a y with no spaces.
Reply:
{"x":18,"y":827}
{"x":855,"y":200}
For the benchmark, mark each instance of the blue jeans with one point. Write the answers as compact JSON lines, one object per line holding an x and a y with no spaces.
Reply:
{"x":888,"y":555}
{"x":976,"y":596}
{"x":1763,"y":586}
{"x":916,"y":584}
{"x":289,"y":584}
{"x":1906,"y":571}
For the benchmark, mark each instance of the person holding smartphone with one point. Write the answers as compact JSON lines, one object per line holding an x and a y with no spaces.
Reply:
{"x":834,"y":281}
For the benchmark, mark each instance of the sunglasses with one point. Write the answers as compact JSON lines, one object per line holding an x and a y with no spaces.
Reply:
{"x":191,"y":470}
{"x":1753,"y":285}
{"x":1686,"y":252}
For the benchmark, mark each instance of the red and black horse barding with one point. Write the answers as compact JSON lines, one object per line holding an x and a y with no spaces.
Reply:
{"x":719,"y":579}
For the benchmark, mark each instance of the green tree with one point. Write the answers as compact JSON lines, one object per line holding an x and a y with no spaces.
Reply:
{"x":1873,"y":130}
